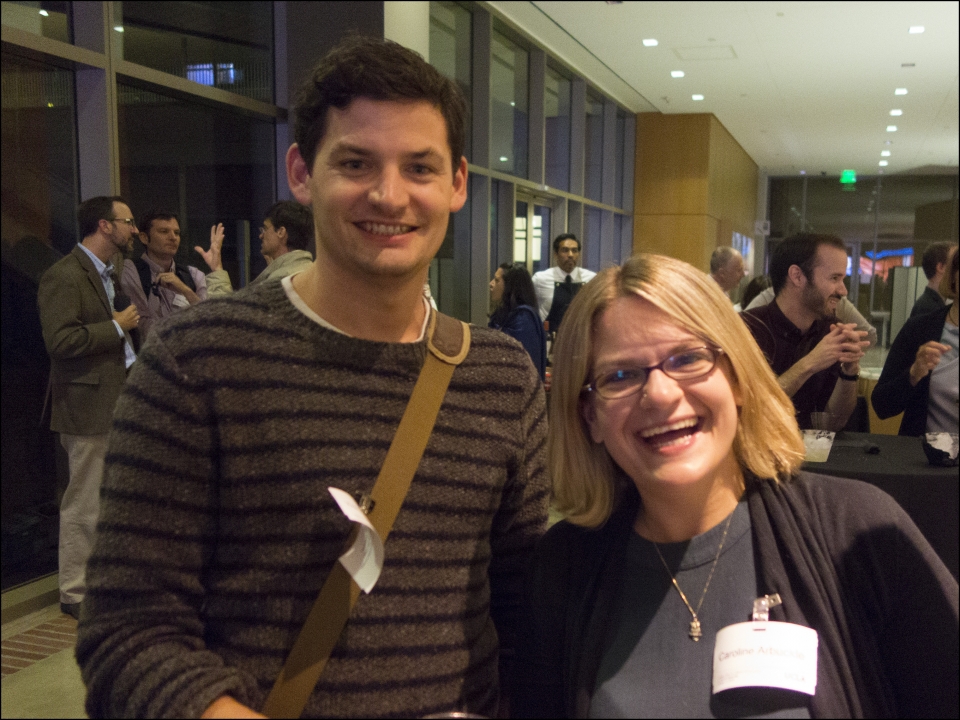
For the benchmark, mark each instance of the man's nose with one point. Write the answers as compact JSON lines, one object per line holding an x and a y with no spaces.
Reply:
{"x":389,"y":191}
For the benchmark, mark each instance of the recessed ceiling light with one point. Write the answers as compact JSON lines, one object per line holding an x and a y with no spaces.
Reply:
{"x":697,"y":97}
{"x":44,"y":13}
{"x":891,"y":128}
{"x":503,"y":158}
{"x":803,"y":172}
{"x":650,"y":42}
{"x":676,"y":73}
{"x":890,"y":142}
{"x":896,"y":113}
{"x":916,"y":29}
{"x":118,"y":28}
{"x":513,"y":104}
{"x":885,"y":153}
{"x":900,"y":91}
{"x":883,"y":163}
{"x":908,"y":64}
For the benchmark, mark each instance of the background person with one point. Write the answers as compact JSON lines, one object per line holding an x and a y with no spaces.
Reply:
{"x":920,"y":375}
{"x":90,"y":349}
{"x":753,"y":288}
{"x":154,"y":282}
{"x":726,"y":267}
{"x":285,"y":235}
{"x":816,"y":358}
{"x":676,"y":458}
{"x":516,"y":312}
{"x":556,"y":286}
{"x":935,"y":260}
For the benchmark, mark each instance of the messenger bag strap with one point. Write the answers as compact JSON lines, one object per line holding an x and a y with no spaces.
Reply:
{"x":448,"y":343}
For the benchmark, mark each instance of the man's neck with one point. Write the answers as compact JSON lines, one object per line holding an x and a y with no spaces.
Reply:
{"x":164,"y":263}
{"x":934,"y":284}
{"x":100,"y":246}
{"x":272,"y":257}
{"x":378,"y":309}
{"x":795,"y":311}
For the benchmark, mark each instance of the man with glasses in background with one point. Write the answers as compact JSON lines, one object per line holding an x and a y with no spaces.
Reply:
{"x":284,"y":238}
{"x":91,"y":348}
{"x":155,"y":283}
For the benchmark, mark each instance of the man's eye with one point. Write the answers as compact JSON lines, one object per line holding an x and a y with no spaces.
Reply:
{"x":352,"y":164}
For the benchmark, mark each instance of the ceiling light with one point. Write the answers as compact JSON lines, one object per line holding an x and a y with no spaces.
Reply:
{"x":888,"y":142}
{"x":503,"y":158}
{"x":896,"y":113}
{"x":118,"y":28}
{"x":45,"y":13}
{"x":650,"y":42}
{"x":885,"y":153}
{"x":676,"y":73}
{"x":908,"y":64}
{"x":883,"y":163}
{"x":900,"y":91}
{"x":697,"y":97}
{"x":916,"y":29}
{"x":513,"y":104}
{"x":891,"y":128}
{"x":803,"y":172}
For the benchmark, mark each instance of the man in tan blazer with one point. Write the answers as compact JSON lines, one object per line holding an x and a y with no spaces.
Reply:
{"x":90,"y":351}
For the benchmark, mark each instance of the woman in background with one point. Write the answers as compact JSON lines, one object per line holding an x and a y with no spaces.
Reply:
{"x":516,"y":312}
{"x":920,"y":377}
{"x":675,"y":457}
{"x":754,"y":288}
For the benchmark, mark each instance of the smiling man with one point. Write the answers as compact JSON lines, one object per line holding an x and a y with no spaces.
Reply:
{"x":815,"y":356}
{"x":218,"y":529}
{"x":154,"y":282}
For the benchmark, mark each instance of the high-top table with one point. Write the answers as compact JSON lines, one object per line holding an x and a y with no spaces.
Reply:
{"x":930,"y":495}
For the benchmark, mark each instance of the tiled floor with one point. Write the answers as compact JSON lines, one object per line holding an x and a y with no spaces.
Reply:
{"x":40,"y":675}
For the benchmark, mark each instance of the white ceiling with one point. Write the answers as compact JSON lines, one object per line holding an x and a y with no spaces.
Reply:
{"x":802,"y":86}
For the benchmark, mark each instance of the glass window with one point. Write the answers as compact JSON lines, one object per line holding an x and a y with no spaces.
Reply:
{"x":557,"y":151}
{"x":451,"y":48}
{"x":49,"y":19}
{"x":208,"y":166}
{"x":593,"y":147}
{"x":39,"y":226}
{"x":224,"y":45}
{"x":624,"y":164}
{"x":509,"y":89}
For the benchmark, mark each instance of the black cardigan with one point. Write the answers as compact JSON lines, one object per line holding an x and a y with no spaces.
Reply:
{"x":845,"y":558}
{"x":893,"y":393}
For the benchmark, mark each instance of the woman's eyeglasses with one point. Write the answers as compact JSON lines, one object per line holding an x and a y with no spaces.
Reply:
{"x":684,"y":365}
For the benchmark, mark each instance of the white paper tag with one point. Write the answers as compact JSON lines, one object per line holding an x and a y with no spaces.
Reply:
{"x":766,"y":654}
{"x":180,"y":301}
{"x":364,"y":559}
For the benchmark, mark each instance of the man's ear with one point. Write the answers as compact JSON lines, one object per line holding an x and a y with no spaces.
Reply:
{"x":298,"y":176}
{"x":796,"y":276}
{"x":144,"y":238}
{"x":459,"y":198}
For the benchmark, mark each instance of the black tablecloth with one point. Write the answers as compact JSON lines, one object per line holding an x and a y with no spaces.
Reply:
{"x":930,"y":495}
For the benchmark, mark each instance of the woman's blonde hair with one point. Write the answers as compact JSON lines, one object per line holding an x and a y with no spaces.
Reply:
{"x":768,"y":442}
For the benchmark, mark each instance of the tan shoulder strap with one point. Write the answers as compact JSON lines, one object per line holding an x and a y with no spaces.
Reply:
{"x":448,"y":343}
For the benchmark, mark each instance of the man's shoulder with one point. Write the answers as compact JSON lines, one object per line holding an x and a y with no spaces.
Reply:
{"x":544,"y":275}
{"x":587,"y":275}
{"x":74,"y":262}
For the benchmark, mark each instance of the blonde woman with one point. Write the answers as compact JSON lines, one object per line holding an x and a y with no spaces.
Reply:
{"x":676,"y":457}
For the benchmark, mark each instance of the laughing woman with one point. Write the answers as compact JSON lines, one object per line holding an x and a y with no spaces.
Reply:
{"x":676,"y":459}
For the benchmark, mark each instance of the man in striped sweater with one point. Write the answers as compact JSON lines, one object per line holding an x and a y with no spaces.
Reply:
{"x":217,"y":531}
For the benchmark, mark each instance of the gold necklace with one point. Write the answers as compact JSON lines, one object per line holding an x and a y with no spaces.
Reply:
{"x":695,"y":632}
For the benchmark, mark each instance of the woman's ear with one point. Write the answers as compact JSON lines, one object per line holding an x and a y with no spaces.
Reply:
{"x":589,"y":414}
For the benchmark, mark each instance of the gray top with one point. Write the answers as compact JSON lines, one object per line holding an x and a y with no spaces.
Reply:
{"x":942,"y":415}
{"x":651,"y":667}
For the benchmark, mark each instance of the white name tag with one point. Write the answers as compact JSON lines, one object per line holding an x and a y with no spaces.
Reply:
{"x":364,"y":558}
{"x":180,"y":301}
{"x":766,"y":654}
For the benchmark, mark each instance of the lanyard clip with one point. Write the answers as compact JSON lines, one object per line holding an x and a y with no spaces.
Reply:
{"x":365,"y":502}
{"x":762,"y":605}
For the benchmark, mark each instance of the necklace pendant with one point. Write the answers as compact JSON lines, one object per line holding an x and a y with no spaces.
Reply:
{"x":695,"y":632}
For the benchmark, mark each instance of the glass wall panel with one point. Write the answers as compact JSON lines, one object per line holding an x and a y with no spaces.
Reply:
{"x":49,"y":19}
{"x":209,"y":166}
{"x":557,"y":131}
{"x":39,"y":226}
{"x":590,"y":257}
{"x":228,"y":45}
{"x":593,"y":147}
{"x":451,"y":48}
{"x":622,"y":162}
{"x":509,"y":90}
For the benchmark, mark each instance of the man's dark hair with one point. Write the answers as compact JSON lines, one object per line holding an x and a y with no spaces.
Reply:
{"x":936,"y":254}
{"x":800,"y":250}
{"x":146,"y":222}
{"x":379,"y":70}
{"x":560,"y":238}
{"x":517,"y":290}
{"x":90,"y":212}
{"x":297,"y":219}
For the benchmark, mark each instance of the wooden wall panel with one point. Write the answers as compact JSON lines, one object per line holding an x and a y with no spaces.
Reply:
{"x":690,"y":238}
{"x":732,"y":187}
{"x":672,"y":164}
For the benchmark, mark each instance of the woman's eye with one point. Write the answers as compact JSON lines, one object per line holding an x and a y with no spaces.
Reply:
{"x":620,"y":376}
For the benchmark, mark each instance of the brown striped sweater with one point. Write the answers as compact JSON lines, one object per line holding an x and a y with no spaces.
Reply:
{"x":216,"y":528}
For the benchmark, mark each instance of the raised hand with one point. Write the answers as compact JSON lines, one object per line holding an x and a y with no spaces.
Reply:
{"x":212,"y":256}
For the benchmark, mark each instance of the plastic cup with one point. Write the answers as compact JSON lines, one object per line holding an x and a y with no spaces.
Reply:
{"x":817,"y":444}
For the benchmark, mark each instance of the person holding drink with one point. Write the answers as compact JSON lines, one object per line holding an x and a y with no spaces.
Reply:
{"x":675,"y":457}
